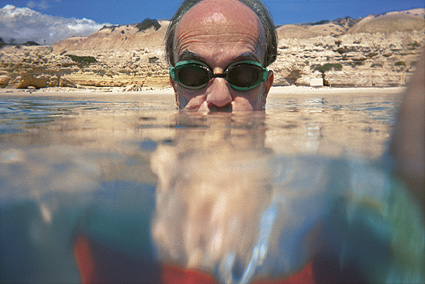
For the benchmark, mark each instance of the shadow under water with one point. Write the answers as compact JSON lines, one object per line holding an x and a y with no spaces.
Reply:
{"x":129,"y":190}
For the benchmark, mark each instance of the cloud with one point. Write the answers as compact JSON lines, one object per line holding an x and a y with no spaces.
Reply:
{"x":24,"y":24}
{"x":41,"y":5}
{"x":31,"y":4}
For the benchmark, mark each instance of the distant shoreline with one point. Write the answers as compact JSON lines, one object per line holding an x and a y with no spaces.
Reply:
{"x":278,"y":90}
{"x":302,"y":90}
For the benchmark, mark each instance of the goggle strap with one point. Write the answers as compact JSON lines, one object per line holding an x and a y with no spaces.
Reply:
{"x":265,"y":74}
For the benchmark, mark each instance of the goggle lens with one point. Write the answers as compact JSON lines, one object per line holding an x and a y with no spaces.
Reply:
{"x":193,"y":76}
{"x":244,"y":75}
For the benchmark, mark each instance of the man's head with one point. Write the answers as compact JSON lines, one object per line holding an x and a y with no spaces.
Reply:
{"x":208,"y":40}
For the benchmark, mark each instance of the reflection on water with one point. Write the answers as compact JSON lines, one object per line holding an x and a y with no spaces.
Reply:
{"x":128,"y":189}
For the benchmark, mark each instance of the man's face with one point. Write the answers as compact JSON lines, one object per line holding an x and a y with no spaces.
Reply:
{"x":219,"y":33}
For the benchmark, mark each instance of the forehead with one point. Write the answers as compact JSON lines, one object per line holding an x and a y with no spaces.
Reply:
{"x":216,"y":25}
{"x":220,"y":12}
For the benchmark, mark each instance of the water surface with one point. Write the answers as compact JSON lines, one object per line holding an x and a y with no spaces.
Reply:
{"x":240,"y":196}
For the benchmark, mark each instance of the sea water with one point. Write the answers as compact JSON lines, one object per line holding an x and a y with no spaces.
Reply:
{"x":120,"y":186}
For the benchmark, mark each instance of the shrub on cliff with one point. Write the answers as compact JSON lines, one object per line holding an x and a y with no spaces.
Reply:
{"x":326,"y":67}
{"x":148,"y":23}
{"x":343,"y":50}
{"x":356,"y":62}
{"x":414,"y":45}
{"x":31,"y":43}
{"x":82,"y":59}
{"x":322,"y":22}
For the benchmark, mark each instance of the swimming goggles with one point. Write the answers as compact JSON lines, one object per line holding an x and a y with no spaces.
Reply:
{"x":241,"y":75}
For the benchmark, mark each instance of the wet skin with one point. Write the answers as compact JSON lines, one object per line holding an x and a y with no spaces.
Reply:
{"x":219,"y":33}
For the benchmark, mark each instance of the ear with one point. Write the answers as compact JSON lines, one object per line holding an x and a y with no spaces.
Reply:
{"x":267,"y":85}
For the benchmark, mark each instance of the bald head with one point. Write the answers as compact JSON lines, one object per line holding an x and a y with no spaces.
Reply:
{"x":213,"y":27}
{"x":222,"y":13}
{"x":248,"y":7}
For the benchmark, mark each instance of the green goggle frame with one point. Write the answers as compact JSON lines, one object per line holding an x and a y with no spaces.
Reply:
{"x":241,"y":75}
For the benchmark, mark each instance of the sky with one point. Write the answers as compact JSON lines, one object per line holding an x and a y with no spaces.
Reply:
{"x":84,"y":17}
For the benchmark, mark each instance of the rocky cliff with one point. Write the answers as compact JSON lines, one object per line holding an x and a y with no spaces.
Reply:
{"x":128,"y":56}
{"x":373,"y":51}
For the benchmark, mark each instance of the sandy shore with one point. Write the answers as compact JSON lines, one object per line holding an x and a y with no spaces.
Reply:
{"x":290,"y":90}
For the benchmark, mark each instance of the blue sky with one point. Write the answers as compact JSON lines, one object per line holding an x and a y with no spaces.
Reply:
{"x":283,"y":11}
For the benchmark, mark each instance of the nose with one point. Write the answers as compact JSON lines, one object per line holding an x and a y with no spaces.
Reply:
{"x":218,"y":95}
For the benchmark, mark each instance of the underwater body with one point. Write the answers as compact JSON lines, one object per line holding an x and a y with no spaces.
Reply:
{"x":127,"y":189}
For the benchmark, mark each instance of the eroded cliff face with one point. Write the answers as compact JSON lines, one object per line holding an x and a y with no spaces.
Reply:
{"x":374,"y":51}
{"x":116,"y":56}
{"x":41,"y":67}
{"x":350,"y":60}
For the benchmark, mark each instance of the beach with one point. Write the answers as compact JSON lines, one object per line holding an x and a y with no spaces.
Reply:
{"x":293,"y":90}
